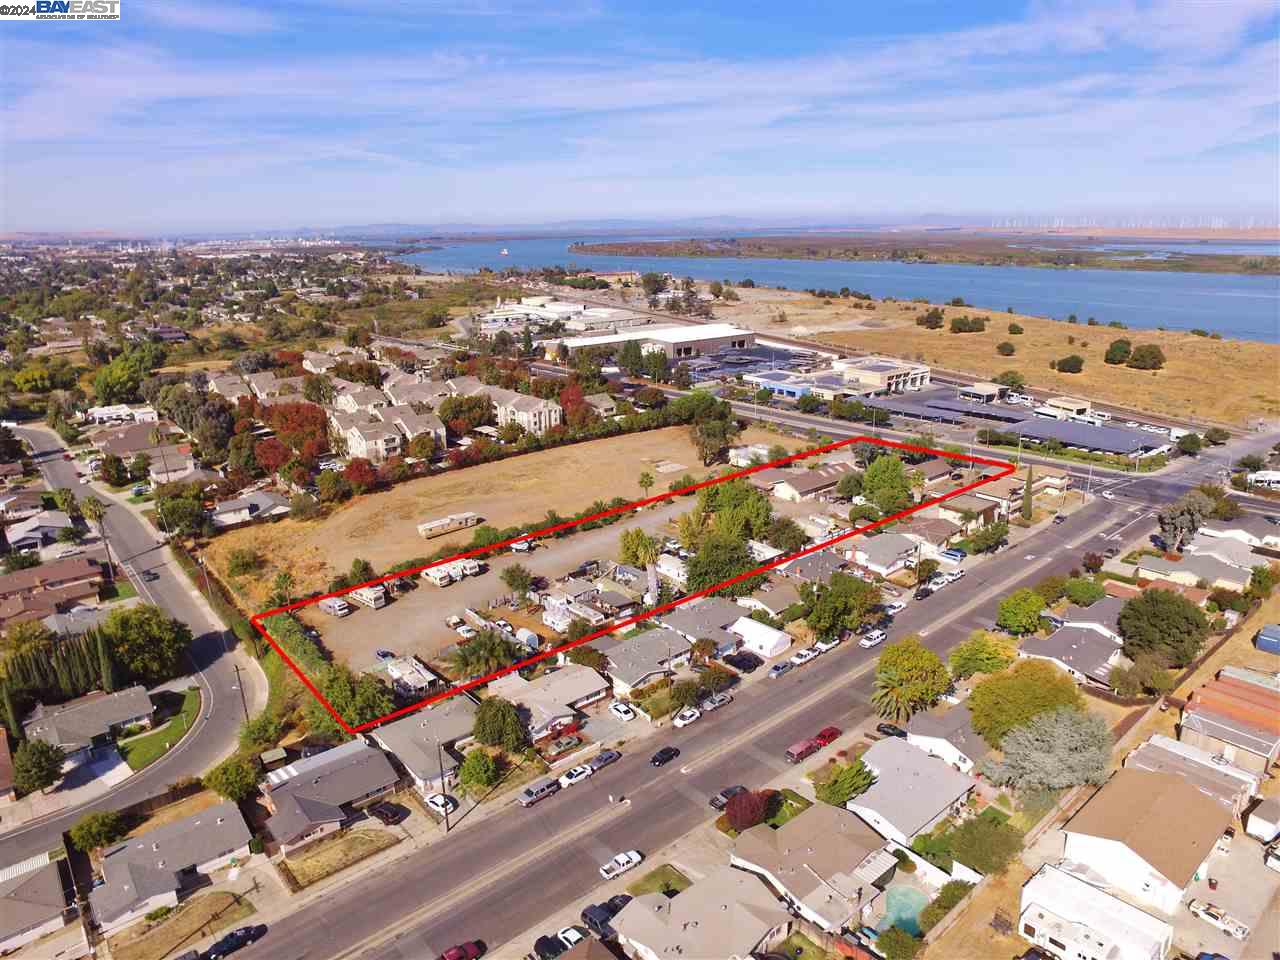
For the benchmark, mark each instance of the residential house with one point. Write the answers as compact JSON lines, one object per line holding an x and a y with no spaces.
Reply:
{"x":533,"y":414}
{"x":1192,"y":570}
{"x":553,"y":701}
{"x":76,"y":622}
{"x":11,"y":472}
{"x":21,"y":504}
{"x":602,"y":403}
{"x":37,"y":898}
{"x":1145,"y":835}
{"x":970,"y":512}
{"x":673,"y":568}
{"x":1250,"y":529}
{"x":375,"y":442}
{"x":775,"y":598}
{"x":250,"y":508}
{"x":38,"y":530}
{"x":1229,"y":785}
{"x":727,"y":914}
{"x":803,"y":485}
{"x":267,"y":386}
{"x":933,"y":473}
{"x":1236,"y":719}
{"x":568,"y":600}
{"x":932,"y":534}
{"x":885,"y":554}
{"x":408,"y":392}
{"x":817,"y":567}
{"x":362,"y":399}
{"x":760,"y":638}
{"x":708,"y":618}
{"x":769,"y":478}
{"x":129,"y":440}
{"x":81,"y":725}
{"x":313,"y":797}
{"x":1087,"y":655}
{"x":1101,"y":616}
{"x":913,"y":792}
{"x":429,"y":743}
{"x":825,"y":862}
{"x":949,"y":735}
{"x":37,"y":592}
{"x":315,"y":362}
{"x":1005,"y":493}
{"x":412,"y":424}
{"x":1069,"y":917}
{"x":153,"y":869}
{"x":637,"y":661}
{"x":1226,"y":549}
{"x":231,"y":386}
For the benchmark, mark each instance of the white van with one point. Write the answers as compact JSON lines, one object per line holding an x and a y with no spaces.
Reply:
{"x":439,"y":576}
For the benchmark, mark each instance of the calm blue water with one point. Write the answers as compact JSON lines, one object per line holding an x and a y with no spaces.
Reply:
{"x":1240,"y":307}
{"x":902,"y":906}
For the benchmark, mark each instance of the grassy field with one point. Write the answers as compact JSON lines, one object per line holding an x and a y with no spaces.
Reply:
{"x":147,"y":749}
{"x":197,"y":918}
{"x":381,"y":527}
{"x":664,"y":877}
{"x":334,"y":854}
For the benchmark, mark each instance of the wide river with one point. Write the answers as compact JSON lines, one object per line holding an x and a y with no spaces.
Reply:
{"x":1241,"y":307}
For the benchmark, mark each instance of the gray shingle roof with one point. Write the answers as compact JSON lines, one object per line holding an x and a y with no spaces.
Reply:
{"x":312,"y":791}
{"x":955,"y":726}
{"x":413,"y":740}
{"x":75,"y":724}
{"x":1080,"y":648}
{"x":31,"y":894}
{"x":631,"y":659}
{"x":911,"y":788}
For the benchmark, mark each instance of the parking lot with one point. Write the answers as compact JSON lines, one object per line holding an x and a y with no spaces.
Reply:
{"x":1250,"y":895}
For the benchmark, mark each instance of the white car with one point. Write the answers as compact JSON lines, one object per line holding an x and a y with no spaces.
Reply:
{"x":1132,"y":424}
{"x":441,"y":804}
{"x":895,"y":608}
{"x":873,"y":639}
{"x":622,"y":711}
{"x":454,"y":622}
{"x":715,"y":702}
{"x":575,"y":775}
{"x":620,"y":864}
{"x":826,"y":646}
{"x":954,"y":575}
{"x":465,"y":632}
{"x":686,"y":717}
{"x":804,"y":656}
{"x":1215,"y":916}
{"x":571,"y":936}
{"x":1108,"y":495}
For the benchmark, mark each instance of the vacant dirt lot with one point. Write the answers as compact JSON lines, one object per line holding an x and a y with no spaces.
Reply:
{"x":382,"y":527}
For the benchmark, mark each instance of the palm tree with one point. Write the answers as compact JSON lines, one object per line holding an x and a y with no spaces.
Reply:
{"x":647,"y":553}
{"x":645,"y":481}
{"x":891,"y":697}
{"x":95,"y":511}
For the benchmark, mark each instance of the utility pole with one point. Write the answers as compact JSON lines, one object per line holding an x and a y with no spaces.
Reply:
{"x":244,"y":704}
{"x":440,"y":758}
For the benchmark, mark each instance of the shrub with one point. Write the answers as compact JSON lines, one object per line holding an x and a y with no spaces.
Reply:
{"x":1014,"y":330}
{"x":985,"y":844}
{"x":1005,"y":348}
{"x":951,"y":894}
{"x":1146,"y":356}
{"x":99,"y":829}
{"x":243,"y":561}
{"x":745,"y":810}
{"x":896,"y":944}
{"x":234,"y":779}
{"x":968,"y":325}
{"x":1071,"y":364}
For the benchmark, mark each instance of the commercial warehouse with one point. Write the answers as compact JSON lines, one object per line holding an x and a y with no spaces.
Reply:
{"x":676,"y":342}
{"x":1083,"y":436}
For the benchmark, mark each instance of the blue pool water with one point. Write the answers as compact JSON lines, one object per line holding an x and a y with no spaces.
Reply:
{"x":902,"y":906}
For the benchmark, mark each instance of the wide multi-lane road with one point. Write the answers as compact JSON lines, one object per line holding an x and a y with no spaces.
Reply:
{"x":135,"y":547}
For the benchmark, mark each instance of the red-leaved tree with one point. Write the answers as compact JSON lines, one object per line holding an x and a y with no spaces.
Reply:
{"x":745,"y":810}
{"x":361,"y":475}
{"x":271,"y":454}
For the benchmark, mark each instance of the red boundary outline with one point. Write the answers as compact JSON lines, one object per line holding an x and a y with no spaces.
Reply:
{"x":256,"y":619}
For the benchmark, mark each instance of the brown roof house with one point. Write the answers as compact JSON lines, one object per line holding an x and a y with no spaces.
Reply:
{"x":727,"y":914}
{"x":827,"y":863}
{"x":1145,"y":835}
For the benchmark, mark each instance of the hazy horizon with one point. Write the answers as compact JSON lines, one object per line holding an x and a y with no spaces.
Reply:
{"x":203,"y":117}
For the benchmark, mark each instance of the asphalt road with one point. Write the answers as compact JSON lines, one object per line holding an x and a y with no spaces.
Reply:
{"x":214,"y":734}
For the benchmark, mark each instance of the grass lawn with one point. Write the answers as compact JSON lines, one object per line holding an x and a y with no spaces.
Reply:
{"x":121,"y":589}
{"x":144,"y":498}
{"x":665,"y":878}
{"x":792,"y":804}
{"x":799,"y":946}
{"x":334,"y":854}
{"x":1032,"y":809}
{"x":199,"y":917}
{"x":150,"y":747}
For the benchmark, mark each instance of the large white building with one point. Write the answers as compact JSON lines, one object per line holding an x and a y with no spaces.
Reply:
{"x":1072,"y":918}
{"x":677,"y":342}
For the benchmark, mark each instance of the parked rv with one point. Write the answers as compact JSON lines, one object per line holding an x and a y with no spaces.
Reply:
{"x":335,"y":606}
{"x":374,"y":596}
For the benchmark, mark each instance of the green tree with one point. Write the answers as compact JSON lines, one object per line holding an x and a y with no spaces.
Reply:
{"x":686,"y":693}
{"x":712,"y":437}
{"x":646,"y":482}
{"x":989,"y":537}
{"x":149,"y":645}
{"x":487,"y":652}
{"x":1216,"y":436}
{"x":234,"y":778}
{"x":1179,"y":521}
{"x":1146,"y":356}
{"x":1118,"y":352}
{"x":1011,"y":699}
{"x":1028,"y":497}
{"x":37,"y":765}
{"x":896,"y":944}
{"x":845,"y":603}
{"x":498,"y":724}
{"x":722,"y":557}
{"x":1190,"y":444}
{"x":1071,"y":364}
{"x":1011,"y":379}
{"x":979,"y":653}
{"x":850,"y":486}
{"x":1084,"y":592}
{"x":844,"y":783}
{"x":1020,"y":611}
{"x":1163,"y":623}
{"x":1055,"y":749}
{"x":785,"y":534}
{"x":518,"y":579}
{"x":909,"y":677}
{"x":100,"y":829}
{"x":985,"y":844}
{"x":587,"y":656}
{"x":926,"y":568}
{"x":886,"y":485}
{"x":634,"y":545}
{"x":356,"y":699}
{"x":479,"y":771}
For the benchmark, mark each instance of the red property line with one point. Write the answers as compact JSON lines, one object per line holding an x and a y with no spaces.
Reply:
{"x":257,"y":619}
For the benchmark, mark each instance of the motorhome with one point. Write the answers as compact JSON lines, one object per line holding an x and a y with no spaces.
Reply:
{"x":440,"y":576}
{"x":374,"y":596}
{"x":455,"y":521}
{"x":335,"y":606}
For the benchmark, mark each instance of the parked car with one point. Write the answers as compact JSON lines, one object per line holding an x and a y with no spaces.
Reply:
{"x":826,"y":646}
{"x":1111,"y":552}
{"x":563,"y":744}
{"x":387,"y":814}
{"x":744,"y":661}
{"x":721,"y":799}
{"x":1059,"y":518}
{"x":453,"y":622}
{"x":620,"y":864}
{"x":622,"y":711}
{"x":955,"y":553}
{"x":1215,"y":916}
{"x":715,"y":702}
{"x":384,"y":655}
{"x":889,"y":730}
{"x":664,"y":756}
{"x":235,"y":940}
{"x":548,"y":948}
{"x":778,"y":669}
{"x":441,"y":803}
{"x":470,"y":950}
{"x":923,"y":593}
{"x":572,"y":936}
{"x":596,"y":917}
{"x":828,"y":735}
{"x":895,"y":608}
{"x":802,"y":657}
{"x":603,"y":759}
{"x":505,"y":627}
{"x":954,"y":575}
{"x":872,"y":639}
{"x":686,"y":716}
{"x":575,"y":775}
{"x":465,"y":632}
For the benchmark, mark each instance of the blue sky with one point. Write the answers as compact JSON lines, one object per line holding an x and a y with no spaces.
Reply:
{"x":201,"y":115}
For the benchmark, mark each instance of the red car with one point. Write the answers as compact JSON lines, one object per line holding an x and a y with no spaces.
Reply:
{"x":827,"y":735}
{"x":464,"y":951}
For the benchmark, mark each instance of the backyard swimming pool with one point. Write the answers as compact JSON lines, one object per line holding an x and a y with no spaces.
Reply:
{"x":902,"y":906}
